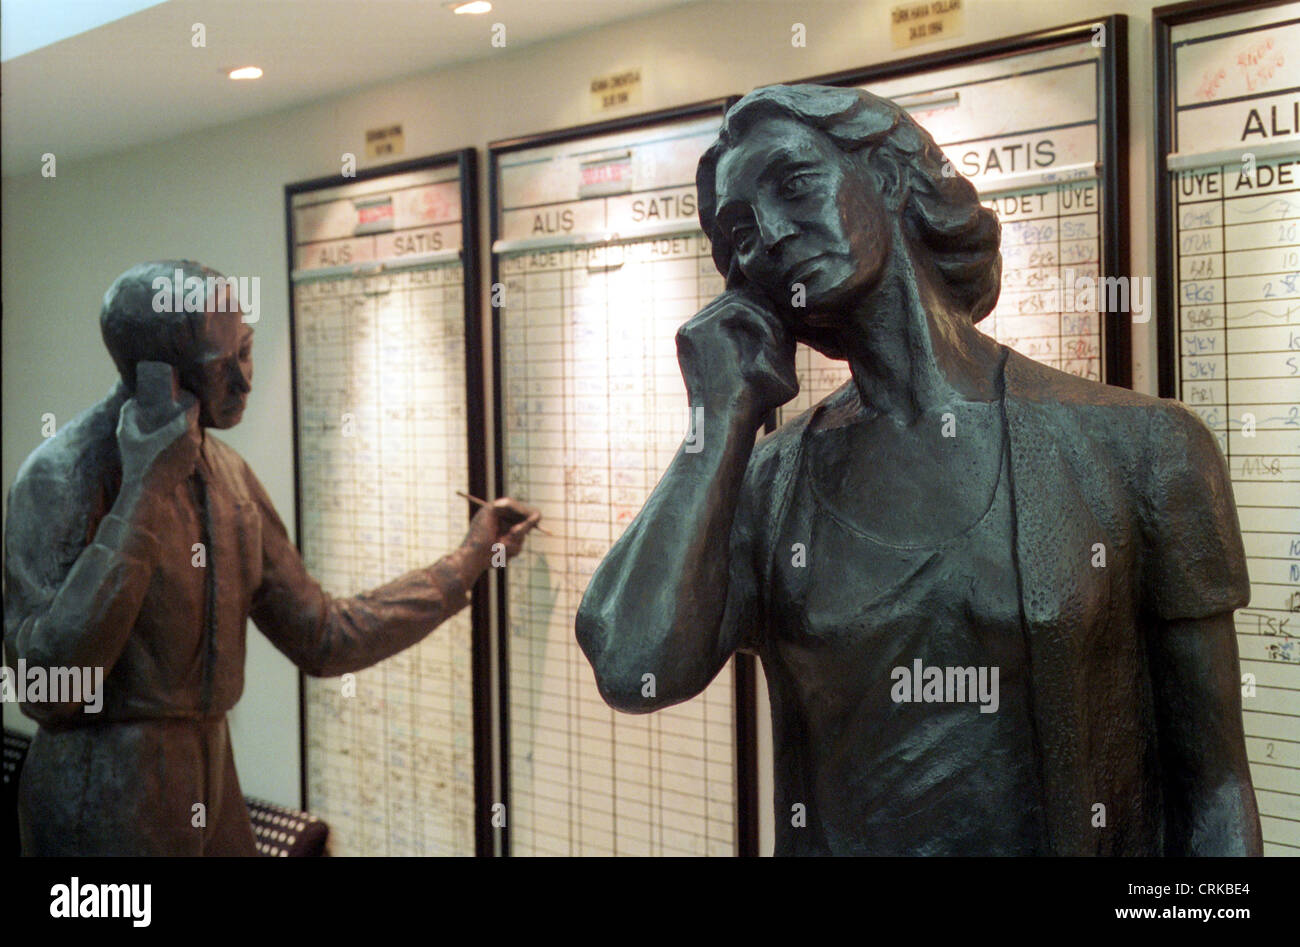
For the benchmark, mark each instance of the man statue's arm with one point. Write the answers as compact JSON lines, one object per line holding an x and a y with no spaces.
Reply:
{"x":328,"y":636}
{"x":81,"y":616}
{"x":1210,"y":806}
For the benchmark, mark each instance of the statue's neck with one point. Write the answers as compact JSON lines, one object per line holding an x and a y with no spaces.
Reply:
{"x":909,"y":351}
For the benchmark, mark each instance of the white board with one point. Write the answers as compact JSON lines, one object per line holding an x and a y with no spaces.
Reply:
{"x":1235,"y":180}
{"x":602,"y":258}
{"x":378,"y":297}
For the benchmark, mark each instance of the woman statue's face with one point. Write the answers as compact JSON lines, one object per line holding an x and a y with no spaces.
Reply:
{"x":800,"y":212}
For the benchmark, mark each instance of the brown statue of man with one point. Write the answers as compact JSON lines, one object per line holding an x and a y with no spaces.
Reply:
{"x":101,"y":573}
{"x":994,"y":602}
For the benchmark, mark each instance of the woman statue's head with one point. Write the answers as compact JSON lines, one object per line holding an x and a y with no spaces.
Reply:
{"x":797,"y":192}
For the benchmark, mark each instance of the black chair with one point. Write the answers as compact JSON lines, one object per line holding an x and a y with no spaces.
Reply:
{"x":286,"y":833}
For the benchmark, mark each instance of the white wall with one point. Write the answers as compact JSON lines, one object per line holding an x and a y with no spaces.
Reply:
{"x":217,"y":197}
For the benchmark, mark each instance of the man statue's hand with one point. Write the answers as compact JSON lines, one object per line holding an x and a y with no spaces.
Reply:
{"x":504,"y":521}
{"x":158,"y":432}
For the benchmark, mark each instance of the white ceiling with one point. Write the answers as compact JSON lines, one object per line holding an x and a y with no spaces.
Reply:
{"x":140,"y":79}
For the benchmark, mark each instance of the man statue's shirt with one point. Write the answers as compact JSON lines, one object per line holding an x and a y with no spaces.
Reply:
{"x":127,"y":779}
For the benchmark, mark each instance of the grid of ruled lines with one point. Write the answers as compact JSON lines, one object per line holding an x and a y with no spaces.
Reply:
{"x":382,"y":440}
{"x":594,"y":411}
{"x":1239,"y":358}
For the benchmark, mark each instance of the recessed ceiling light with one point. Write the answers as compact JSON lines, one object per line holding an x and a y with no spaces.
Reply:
{"x":471,"y":6}
{"x":246,"y":72}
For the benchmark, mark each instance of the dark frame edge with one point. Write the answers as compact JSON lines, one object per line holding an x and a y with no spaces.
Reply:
{"x":1166,"y":331}
{"x":1116,"y":249}
{"x":476,"y":452}
{"x":297,"y":480}
{"x":498,"y":489}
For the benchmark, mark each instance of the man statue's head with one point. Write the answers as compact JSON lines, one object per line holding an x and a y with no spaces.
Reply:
{"x":187,"y":315}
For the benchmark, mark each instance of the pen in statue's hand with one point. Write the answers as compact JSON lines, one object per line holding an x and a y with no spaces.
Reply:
{"x":507,"y":520}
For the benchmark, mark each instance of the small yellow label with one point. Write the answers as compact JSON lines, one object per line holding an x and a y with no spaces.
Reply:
{"x":616,"y":90}
{"x":925,"y":22}
{"x":385,"y":142}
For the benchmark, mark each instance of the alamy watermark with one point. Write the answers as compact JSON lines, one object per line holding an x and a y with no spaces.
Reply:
{"x":946,"y":685}
{"x":86,"y":900}
{"x":1072,"y":292}
{"x":695,"y":430}
{"x":181,"y":293}
{"x":33,"y":684}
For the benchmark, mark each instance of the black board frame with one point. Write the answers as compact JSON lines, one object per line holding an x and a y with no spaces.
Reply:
{"x":465,"y":161}
{"x":745,"y":682}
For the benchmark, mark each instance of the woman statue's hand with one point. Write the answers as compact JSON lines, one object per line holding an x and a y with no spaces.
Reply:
{"x":736,"y":354}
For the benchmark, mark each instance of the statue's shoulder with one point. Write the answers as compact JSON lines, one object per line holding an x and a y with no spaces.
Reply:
{"x":61,"y":490}
{"x":219,"y":452}
{"x":1130,"y":425}
{"x":231,"y":467}
{"x":81,"y":452}
{"x":776,"y":453}
{"x":783,"y":440}
{"x":1029,"y":381}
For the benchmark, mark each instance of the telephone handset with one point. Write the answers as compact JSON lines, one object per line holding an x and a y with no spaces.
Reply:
{"x":157,"y":392}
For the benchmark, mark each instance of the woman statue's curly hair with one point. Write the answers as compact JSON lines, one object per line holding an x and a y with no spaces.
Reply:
{"x":941,"y":211}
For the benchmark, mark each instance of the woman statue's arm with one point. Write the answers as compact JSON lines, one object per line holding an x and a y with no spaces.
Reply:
{"x":1196,"y":576}
{"x":1209,"y":804}
{"x":660,"y":616}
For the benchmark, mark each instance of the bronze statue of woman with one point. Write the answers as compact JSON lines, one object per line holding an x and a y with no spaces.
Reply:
{"x":993,"y":602}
